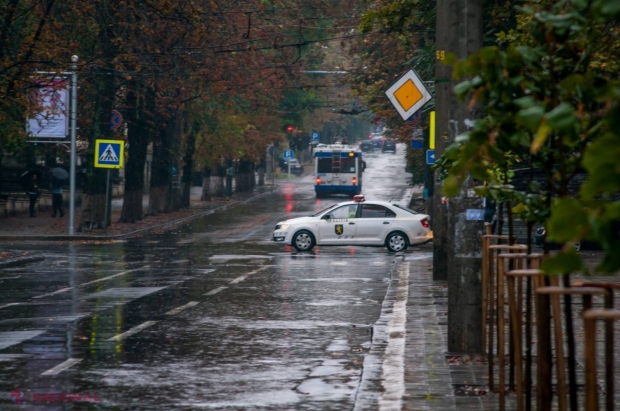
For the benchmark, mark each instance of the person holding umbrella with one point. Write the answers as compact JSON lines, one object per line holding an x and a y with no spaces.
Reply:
{"x":57,"y":176}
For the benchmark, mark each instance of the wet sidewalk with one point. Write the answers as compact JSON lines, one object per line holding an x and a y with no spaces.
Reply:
{"x":44,"y":227}
{"x":430,"y":381}
{"x":435,"y":379}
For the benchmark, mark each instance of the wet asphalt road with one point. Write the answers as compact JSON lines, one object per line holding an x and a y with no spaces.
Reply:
{"x":211,"y":315}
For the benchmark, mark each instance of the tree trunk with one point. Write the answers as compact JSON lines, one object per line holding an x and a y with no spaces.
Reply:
{"x":252,"y":176}
{"x":217,"y":180}
{"x":137,"y":137}
{"x":92,"y":211}
{"x":157,"y":199}
{"x":188,"y":168}
{"x":161,"y":170}
{"x":243,"y":176}
{"x":261,"y":174}
{"x":93,"y":201}
{"x":206,"y":183}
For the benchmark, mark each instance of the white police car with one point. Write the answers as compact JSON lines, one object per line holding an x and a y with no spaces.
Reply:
{"x":357,"y":222}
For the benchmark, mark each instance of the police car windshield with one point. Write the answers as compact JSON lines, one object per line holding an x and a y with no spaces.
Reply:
{"x":324,"y":210}
{"x":405,"y":208}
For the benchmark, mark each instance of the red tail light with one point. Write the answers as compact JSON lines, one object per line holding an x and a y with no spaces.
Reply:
{"x":354,"y":181}
{"x":425,"y":223}
{"x":318,"y":180}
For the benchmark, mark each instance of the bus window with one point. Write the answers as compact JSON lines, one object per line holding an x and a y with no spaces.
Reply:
{"x":324,"y":165}
{"x":348,"y":165}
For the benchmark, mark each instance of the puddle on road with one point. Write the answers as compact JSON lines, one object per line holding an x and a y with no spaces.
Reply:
{"x":129,"y":292}
{"x":337,"y":280}
{"x":274,"y":324}
{"x":226,"y":257}
{"x":48,"y":320}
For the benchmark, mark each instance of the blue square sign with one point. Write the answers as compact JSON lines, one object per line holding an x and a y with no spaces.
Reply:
{"x":316,"y":136}
{"x":430,"y":157}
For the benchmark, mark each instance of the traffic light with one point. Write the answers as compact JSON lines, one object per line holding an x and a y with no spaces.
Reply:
{"x":289,"y":128}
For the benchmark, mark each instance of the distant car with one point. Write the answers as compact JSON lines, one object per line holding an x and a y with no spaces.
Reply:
{"x":366,"y":146}
{"x":540,"y":238}
{"x":389,"y":145}
{"x":377,"y":142}
{"x":296,"y":167}
{"x":357,"y":222}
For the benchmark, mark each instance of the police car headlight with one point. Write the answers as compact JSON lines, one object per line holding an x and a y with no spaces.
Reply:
{"x":282,"y":226}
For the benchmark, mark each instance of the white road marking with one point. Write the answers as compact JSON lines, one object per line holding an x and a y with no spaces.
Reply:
{"x":243,"y":277}
{"x":54,"y":293}
{"x":88,"y":283}
{"x":62,"y":366}
{"x":8,"y":305}
{"x":181,"y":308}
{"x":9,"y":338}
{"x":132,"y":331}
{"x":239,"y":279}
{"x":204,"y":270}
{"x":217,"y":290}
{"x":393,"y":368}
{"x":113,"y":276}
{"x":14,"y":357}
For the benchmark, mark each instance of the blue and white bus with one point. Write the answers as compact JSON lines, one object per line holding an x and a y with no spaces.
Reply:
{"x":338,"y":169}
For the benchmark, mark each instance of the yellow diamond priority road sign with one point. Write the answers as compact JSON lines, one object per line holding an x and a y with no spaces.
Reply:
{"x":408,"y":94}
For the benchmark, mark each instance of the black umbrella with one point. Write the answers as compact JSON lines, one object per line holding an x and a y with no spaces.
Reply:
{"x":59,"y":173}
{"x":25,"y":178}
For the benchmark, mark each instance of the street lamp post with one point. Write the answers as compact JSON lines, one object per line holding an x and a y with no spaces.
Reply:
{"x":74,"y":60}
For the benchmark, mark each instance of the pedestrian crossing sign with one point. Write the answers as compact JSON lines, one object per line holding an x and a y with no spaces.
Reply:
{"x":109,"y":153}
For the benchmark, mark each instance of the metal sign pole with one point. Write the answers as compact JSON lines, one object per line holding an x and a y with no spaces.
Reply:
{"x":107,"y":199}
{"x":74,"y":59}
{"x":289,"y":167}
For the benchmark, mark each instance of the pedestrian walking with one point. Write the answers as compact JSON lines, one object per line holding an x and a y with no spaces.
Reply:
{"x":33,"y":192}
{"x":56,"y":189}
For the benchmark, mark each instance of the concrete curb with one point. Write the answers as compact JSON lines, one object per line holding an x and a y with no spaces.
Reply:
{"x":17,"y":261}
{"x":165,"y":226}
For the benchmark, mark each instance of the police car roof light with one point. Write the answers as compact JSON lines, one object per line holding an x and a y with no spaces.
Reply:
{"x":359,"y":198}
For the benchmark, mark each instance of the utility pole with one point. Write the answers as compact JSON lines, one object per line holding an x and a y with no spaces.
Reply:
{"x":74,"y":91}
{"x":457,"y":242}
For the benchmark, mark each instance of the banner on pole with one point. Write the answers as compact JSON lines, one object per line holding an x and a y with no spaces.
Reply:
{"x":50,"y":98}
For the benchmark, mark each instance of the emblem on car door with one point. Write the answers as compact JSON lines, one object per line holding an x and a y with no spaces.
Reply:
{"x":339,"y":229}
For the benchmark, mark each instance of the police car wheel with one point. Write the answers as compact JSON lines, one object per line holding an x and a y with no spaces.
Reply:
{"x":303,"y":240}
{"x":396,"y":242}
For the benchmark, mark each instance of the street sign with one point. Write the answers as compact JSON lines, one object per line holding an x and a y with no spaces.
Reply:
{"x":408,"y":94}
{"x":417,"y":143}
{"x":115,"y":120}
{"x":289,"y":154}
{"x":316,"y":136}
{"x":430,"y":157}
{"x":109,"y":153}
{"x":415,"y":118}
